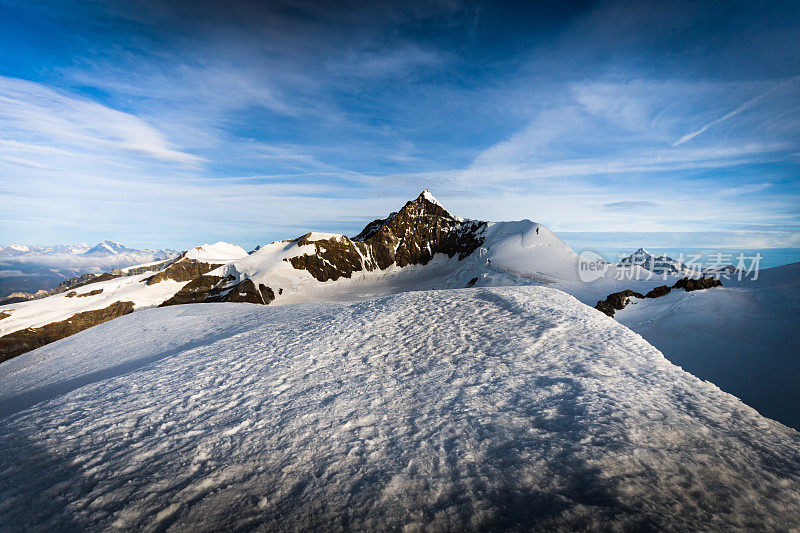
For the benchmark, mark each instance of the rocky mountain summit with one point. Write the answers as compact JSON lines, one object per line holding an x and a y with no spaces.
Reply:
{"x":411,"y":236}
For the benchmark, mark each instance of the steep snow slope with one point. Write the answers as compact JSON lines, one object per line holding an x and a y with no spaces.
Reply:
{"x":37,"y":313}
{"x":743,"y":336}
{"x":469,"y":409}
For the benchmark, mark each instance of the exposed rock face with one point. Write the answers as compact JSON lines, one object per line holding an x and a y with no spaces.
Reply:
{"x":421,"y":229}
{"x":412,"y":236}
{"x":4,"y":314}
{"x":616,"y":301}
{"x":80,"y":281}
{"x":15,"y":298}
{"x":182,"y":269}
{"x":143,"y":269}
{"x":333,"y":258}
{"x":658,"y":292}
{"x":246,"y":292}
{"x":72,"y":283}
{"x":195,"y":291}
{"x":28,"y":339}
{"x":373,"y":227}
{"x":689,"y":284}
{"x":90,"y":293}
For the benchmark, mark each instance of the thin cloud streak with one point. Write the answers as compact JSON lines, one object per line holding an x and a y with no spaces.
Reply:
{"x":745,"y":106}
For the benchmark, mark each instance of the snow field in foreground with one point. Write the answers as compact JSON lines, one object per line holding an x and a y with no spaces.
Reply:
{"x":509,"y":407}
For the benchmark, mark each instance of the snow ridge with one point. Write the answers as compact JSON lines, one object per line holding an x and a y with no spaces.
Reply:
{"x":447,"y":410}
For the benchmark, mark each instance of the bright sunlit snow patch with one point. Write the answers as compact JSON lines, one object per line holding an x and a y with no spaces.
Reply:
{"x":219,"y":252}
{"x":470,"y":409}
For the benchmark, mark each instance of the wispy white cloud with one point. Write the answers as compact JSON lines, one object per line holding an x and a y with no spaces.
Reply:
{"x":738,"y":110}
{"x":31,"y":113}
{"x":727,"y":116}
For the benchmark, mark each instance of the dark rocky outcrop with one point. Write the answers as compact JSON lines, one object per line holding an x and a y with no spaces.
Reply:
{"x":616,"y":301}
{"x":412,"y":236}
{"x":90,"y":293}
{"x":14,"y":298}
{"x":373,"y":227}
{"x":246,"y":292}
{"x":73,"y":283}
{"x":22,"y":341}
{"x":81,"y":281}
{"x":105,"y":276}
{"x":4,"y":314}
{"x":133,"y":271}
{"x":472,"y":282}
{"x":195,"y":291}
{"x":658,"y":292}
{"x":333,"y":258}
{"x":182,"y":269}
{"x":217,"y":289}
{"x":689,"y":284}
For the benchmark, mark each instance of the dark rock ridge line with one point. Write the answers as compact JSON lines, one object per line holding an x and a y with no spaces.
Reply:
{"x":616,"y":301}
{"x":28,"y":339}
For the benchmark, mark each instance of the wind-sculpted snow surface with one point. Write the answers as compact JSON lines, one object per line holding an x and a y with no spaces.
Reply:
{"x":482,"y":408}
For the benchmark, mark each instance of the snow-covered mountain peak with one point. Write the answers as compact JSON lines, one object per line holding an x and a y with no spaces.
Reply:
{"x":427,"y":195}
{"x":658,"y":264}
{"x":107,"y":248}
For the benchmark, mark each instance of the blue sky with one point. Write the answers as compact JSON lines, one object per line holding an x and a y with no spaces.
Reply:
{"x":663,"y":124}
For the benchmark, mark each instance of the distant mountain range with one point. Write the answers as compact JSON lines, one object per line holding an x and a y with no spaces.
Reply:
{"x":663,"y":264}
{"x":101,"y":249}
{"x":28,"y":269}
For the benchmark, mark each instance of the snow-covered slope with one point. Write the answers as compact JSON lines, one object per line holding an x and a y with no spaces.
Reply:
{"x":28,"y":325}
{"x":219,"y":252}
{"x":512,"y":408}
{"x":743,"y":336}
